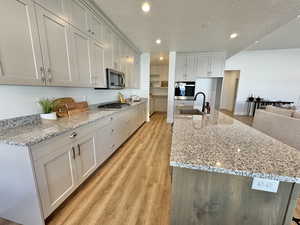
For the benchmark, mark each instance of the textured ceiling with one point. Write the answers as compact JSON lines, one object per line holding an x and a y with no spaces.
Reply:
{"x":199,"y":25}
{"x":287,"y":36}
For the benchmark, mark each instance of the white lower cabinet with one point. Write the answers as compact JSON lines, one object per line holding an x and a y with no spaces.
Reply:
{"x":56,"y":174}
{"x":85,"y":157}
{"x":61,"y":164}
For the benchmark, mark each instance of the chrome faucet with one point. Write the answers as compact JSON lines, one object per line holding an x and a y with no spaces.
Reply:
{"x":204,"y":98}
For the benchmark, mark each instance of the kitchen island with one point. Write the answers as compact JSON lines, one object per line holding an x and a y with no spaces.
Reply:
{"x":215,"y":159}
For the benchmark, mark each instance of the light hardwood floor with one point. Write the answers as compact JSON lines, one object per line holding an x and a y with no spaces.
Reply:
{"x":132,"y":188}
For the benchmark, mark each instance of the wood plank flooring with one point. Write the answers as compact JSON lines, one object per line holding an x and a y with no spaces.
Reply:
{"x":132,"y":188}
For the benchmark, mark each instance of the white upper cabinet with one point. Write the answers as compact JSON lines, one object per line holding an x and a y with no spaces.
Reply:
{"x":202,"y":65}
{"x":97,"y":64}
{"x":217,"y":65}
{"x":137,"y":70}
{"x":95,"y":28}
{"x":58,"y":7}
{"x":55,"y":43}
{"x":108,"y":48}
{"x":116,"y":52}
{"x":196,"y":65}
{"x":81,"y":58}
{"x":79,"y":15}
{"x":123,"y":56}
{"x":181,"y":68}
{"x":20,"y":54}
{"x":61,"y":43}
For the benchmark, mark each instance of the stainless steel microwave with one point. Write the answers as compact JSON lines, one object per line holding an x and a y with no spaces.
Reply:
{"x":115,"y":79}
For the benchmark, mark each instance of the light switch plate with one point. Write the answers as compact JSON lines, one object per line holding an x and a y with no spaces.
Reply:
{"x":265,"y":185}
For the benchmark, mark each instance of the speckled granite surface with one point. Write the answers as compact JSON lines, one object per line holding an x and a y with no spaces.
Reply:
{"x":35,"y":132}
{"x":218,"y":143}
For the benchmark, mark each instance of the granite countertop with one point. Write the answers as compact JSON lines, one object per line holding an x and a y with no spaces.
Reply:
{"x":219,"y":143}
{"x":36,"y":132}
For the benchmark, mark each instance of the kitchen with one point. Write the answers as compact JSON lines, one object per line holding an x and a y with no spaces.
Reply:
{"x":106,"y":118}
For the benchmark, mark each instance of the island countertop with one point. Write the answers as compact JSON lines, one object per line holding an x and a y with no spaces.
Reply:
{"x":219,"y":143}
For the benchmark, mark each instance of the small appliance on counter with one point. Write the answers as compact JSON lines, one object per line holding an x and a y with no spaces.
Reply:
{"x":135,"y":98}
{"x":185,"y":90}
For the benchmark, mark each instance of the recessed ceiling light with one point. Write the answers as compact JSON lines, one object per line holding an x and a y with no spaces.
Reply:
{"x":146,"y":7}
{"x":298,"y":16}
{"x":234,"y":35}
{"x":161,"y":58}
{"x":158,"y":41}
{"x":256,"y":42}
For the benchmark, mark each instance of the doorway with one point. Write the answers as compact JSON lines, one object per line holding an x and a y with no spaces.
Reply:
{"x":230,"y":90}
{"x":159,"y":74}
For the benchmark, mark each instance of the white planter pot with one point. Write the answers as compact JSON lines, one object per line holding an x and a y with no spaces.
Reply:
{"x":49,"y":116}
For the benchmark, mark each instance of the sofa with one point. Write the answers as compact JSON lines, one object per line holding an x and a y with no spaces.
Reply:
{"x":282,"y":124}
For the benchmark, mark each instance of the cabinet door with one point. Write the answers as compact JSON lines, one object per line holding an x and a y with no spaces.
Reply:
{"x":79,"y":15}
{"x":191,"y":67}
{"x":20,"y":54}
{"x":86,"y":157}
{"x":123,"y":56}
{"x":108,"y":48}
{"x":136,"y":72}
{"x":104,"y":143}
{"x":55,"y":42}
{"x":81,"y":58}
{"x":56,"y":176}
{"x":97,"y":61}
{"x":95,"y":27}
{"x":180,"y":69}
{"x":217,"y":62}
{"x":58,"y":7}
{"x":202,"y":65}
{"x":116,"y":52}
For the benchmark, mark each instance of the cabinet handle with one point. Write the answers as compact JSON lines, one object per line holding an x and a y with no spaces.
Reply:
{"x":42,"y":74}
{"x":73,"y":135}
{"x":73,"y":150}
{"x":49,"y":75}
{"x":1,"y":68}
{"x":79,"y":151}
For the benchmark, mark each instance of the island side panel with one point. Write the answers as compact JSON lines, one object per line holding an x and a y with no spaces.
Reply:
{"x":19,"y":199}
{"x":200,"y":197}
{"x":295,"y":196}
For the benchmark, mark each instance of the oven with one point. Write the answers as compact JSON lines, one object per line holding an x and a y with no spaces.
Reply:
{"x":185,"y":90}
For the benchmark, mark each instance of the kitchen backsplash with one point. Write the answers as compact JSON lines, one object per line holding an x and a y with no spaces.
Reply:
{"x":17,"y":101}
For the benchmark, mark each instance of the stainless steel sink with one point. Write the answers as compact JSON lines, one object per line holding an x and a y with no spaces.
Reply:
{"x":190,"y":112}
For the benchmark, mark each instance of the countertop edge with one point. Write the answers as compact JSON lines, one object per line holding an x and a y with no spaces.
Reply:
{"x":40,"y":140}
{"x":236,"y":172}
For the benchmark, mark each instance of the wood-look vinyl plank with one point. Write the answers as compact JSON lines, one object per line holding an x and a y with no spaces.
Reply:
{"x":131,"y":188}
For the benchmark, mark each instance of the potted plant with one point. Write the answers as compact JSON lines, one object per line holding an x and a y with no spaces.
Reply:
{"x":48,"y":109}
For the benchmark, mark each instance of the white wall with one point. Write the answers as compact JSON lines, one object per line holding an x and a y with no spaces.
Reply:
{"x":271,"y":74}
{"x":22,"y":100}
{"x":229,"y":86}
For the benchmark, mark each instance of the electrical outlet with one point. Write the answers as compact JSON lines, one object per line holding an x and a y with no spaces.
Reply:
{"x":265,"y":185}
